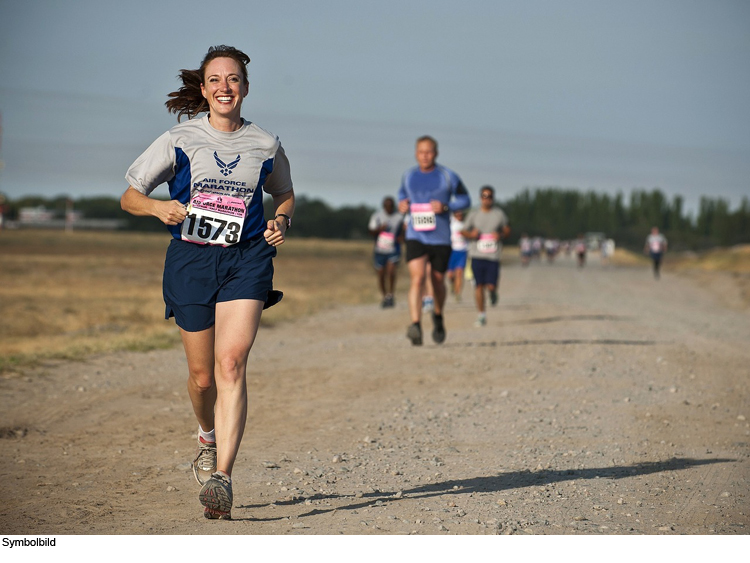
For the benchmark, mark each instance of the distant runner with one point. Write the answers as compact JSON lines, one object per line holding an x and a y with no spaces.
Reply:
{"x":429,"y":192}
{"x":656,"y":246}
{"x":524,"y":249}
{"x":485,"y":228}
{"x":387,"y":226}
{"x":580,"y":249}
{"x":459,"y":253}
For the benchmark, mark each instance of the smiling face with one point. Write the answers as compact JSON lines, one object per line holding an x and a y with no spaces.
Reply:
{"x":224,"y":89}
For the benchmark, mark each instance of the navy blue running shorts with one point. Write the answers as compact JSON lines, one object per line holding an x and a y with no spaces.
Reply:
{"x":380,"y":260}
{"x":486,"y":272}
{"x":196,"y":277}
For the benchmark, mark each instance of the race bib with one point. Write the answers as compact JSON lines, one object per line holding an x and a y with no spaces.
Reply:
{"x":423,"y":217}
{"x":214,"y":219}
{"x":487,"y":244}
{"x":655,"y":246}
{"x":386,"y":243}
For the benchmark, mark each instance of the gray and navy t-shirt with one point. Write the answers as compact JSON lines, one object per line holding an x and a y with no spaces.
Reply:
{"x":194,"y":158}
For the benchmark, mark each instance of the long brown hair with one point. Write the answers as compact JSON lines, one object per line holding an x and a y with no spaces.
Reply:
{"x":189,"y":100}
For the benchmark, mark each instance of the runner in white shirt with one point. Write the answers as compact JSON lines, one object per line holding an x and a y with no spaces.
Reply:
{"x":218,"y":273}
{"x":656,"y":246}
{"x":524,"y":249}
{"x":459,"y":254}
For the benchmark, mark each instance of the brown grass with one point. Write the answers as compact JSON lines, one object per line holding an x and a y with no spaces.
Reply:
{"x":723,"y":270}
{"x":734,"y":260}
{"x":68,"y":295}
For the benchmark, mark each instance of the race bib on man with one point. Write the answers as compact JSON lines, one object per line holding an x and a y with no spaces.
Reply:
{"x":214,"y":219}
{"x":386,"y":243}
{"x":423,"y":217}
{"x":655,"y":246}
{"x":487,"y":244}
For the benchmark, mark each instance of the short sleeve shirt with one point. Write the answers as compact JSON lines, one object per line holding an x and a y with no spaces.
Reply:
{"x":488,"y":223}
{"x":387,"y":240}
{"x":656,"y":243}
{"x":194,"y":158}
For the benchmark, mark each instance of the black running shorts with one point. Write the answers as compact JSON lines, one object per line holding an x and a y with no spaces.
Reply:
{"x":437,"y":254}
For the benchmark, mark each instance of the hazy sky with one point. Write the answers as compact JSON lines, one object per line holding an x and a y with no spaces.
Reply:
{"x":605,"y":95}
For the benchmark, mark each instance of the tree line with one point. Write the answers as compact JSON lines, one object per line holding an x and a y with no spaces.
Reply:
{"x":565,"y":213}
{"x":545,"y":212}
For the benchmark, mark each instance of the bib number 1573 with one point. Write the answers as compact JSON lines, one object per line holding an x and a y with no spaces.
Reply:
{"x":214,"y":219}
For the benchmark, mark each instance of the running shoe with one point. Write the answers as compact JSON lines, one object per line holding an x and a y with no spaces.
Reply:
{"x":216,"y":497}
{"x":428,"y":304}
{"x":493,"y":298}
{"x":438,"y":332}
{"x":481,"y":320}
{"x":414,"y":333}
{"x":204,"y":463}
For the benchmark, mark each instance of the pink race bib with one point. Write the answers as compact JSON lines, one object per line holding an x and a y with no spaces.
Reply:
{"x":423,"y":217}
{"x":214,"y":219}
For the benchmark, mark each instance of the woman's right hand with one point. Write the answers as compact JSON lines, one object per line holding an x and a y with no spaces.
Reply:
{"x":170,"y":212}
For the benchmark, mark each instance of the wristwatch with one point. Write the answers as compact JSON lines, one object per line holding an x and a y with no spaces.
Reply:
{"x":288,"y":219}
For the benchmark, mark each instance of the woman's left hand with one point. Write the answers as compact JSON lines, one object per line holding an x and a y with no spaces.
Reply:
{"x":275,"y":231}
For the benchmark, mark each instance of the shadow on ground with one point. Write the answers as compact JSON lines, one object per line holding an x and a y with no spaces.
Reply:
{"x":497,"y":483}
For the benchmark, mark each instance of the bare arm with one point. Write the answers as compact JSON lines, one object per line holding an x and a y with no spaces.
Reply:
{"x":283,"y":204}
{"x":168,"y":212}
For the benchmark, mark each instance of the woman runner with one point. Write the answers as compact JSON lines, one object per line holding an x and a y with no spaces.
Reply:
{"x":218,"y":272}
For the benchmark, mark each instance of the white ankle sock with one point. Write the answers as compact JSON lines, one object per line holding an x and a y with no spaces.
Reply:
{"x":207,"y":436}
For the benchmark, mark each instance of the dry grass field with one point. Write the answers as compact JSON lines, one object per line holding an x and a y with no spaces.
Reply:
{"x":67,"y":295}
{"x":723,"y":270}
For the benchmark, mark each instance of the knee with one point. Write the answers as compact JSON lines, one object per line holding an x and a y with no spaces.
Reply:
{"x":202,"y":380}
{"x":231,"y":368}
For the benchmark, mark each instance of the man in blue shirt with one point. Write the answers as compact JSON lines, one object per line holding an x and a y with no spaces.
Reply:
{"x":429,"y":193}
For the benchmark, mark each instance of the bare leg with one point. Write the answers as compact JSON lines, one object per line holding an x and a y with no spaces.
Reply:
{"x":458,"y":283}
{"x":391,"y":273}
{"x":417,"y":275}
{"x":428,"y":289}
{"x":236,"y":327}
{"x":479,"y":297}
{"x":438,"y":290}
{"x":199,"y":351}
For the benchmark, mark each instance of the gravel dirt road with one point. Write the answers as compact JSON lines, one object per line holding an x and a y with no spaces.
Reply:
{"x":595,"y":401}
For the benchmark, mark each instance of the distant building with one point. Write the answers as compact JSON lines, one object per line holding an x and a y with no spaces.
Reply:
{"x":33,"y":215}
{"x":43,"y":218}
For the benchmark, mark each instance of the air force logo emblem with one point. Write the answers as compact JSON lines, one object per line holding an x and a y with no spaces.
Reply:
{"x":226,"y":169}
